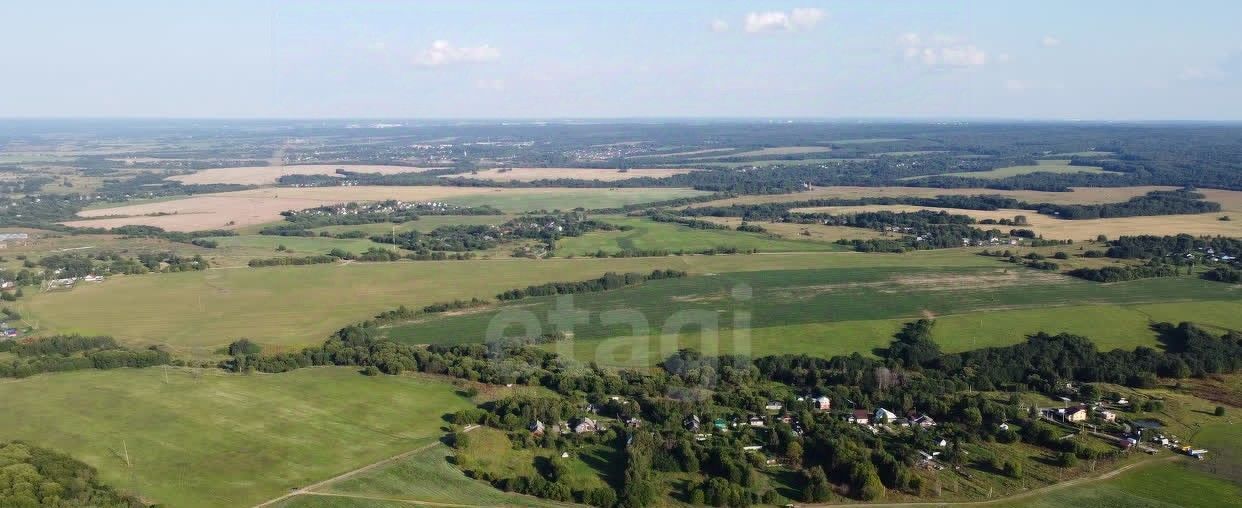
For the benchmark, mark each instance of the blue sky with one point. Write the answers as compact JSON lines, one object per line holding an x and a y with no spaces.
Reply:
{"x":551,"y":59}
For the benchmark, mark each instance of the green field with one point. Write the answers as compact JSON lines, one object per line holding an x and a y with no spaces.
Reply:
{"x":206,"y":438}
{"x":1152,"y":485}
{"x":650,"y":235}
{"x":423,"y":225}
{"x":197,"y":312}
{"x":1041,"y":166}
{"x":265,"y":245}
{"x":428,"y":477}
{"x":831,"y":311}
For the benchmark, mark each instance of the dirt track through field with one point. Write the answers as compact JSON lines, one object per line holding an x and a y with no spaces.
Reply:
{"x":319,"y":485}
{"x":1010,"y":499}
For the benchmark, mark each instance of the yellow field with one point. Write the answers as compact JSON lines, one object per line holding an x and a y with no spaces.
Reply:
{"x":266,"y":175}
{"x":259,"y":206}
{"x":531,"y":174}
{"x":1058,"y":229}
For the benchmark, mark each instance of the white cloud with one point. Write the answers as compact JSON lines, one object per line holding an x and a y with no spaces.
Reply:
{"x":442,"y":52}
{"x":1003,"y":58}
{"x":802,"y":18}
{"x":1050,"y":42}
{"x":941,"y":51}
{"x":719,"y":25}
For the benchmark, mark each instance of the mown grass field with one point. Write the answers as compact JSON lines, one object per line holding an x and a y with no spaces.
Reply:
{"x":197,"y":312}
{"x":424,"y":224}
{"x":203,"y":438}
{"x":266,"y":245}
{"x":830,"y":311}
{"x":428,"y":476}
{"x":1158,"y":484}
{"x":650,"y":235}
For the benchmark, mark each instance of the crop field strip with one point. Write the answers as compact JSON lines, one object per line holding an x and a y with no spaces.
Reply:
{"x":197,"y":312}
{"x":838,"y":311}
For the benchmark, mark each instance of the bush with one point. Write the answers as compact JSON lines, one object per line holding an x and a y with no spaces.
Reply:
{"x":244,"y":347}
{"x":1220,"y":411}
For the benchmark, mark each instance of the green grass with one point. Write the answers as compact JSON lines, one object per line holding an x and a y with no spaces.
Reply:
{"x":831,"y":311}
{"x":649,"y":235}
{"x":423,"y":224}
{"x":206,"y":438}
{"x":313,"y":501}
{"x":1041,"y":166}
{"x":197,"y":312}
{"x":1150,"y":485}
{"x":863,"y":141}
{"x":429,"y":477}
{"x":762,"y":162}
{"x":265,"y":245}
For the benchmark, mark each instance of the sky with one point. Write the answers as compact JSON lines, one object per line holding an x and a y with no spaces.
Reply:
{"x":1075,"y":60}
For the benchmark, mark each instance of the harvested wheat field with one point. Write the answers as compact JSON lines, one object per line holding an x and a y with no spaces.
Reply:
{"x":259,"y":206}
{"x":1060,"y":229}
{"x":267,"y":175}
{"x":605,"y":175}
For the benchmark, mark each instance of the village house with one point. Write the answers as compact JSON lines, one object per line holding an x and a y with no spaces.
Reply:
{"x":633,"y":422}
{"x":1108,"y":416}
{"x":774,"y":406}
{"x":586,"y":425}
{"x":537,"y":428}
{"x":1078,"y":414}
{"x":755,"y":421}
{"x":823,"y":403}
{"x":692,"y":423}
{"x":860,"y":416}
{"x":883,"y":415}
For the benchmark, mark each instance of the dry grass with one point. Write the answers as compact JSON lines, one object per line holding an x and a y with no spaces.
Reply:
{"x":236,"y":209}
{"x":606,"y":175}
{"x":260,"y":206}
{"x":266,"y":175}
{"x":1060,"y":229}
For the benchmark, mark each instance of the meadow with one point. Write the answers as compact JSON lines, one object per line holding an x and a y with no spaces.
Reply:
{"x":646,"y":234}
{"x":1154,"y":484}
{"x":1041,"y":166}
{"x":531,"y":174}
{"x":770,"y":151}
{"x":831,"y":311}
{"x":197,"y":312}
{"x":424,"y":224}
{"x":428,"y":477}
{"x":203,"y":438}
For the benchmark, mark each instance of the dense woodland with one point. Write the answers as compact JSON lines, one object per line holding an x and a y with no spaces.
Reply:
{"x":34,"y":477}
{"x":61,"y":353}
